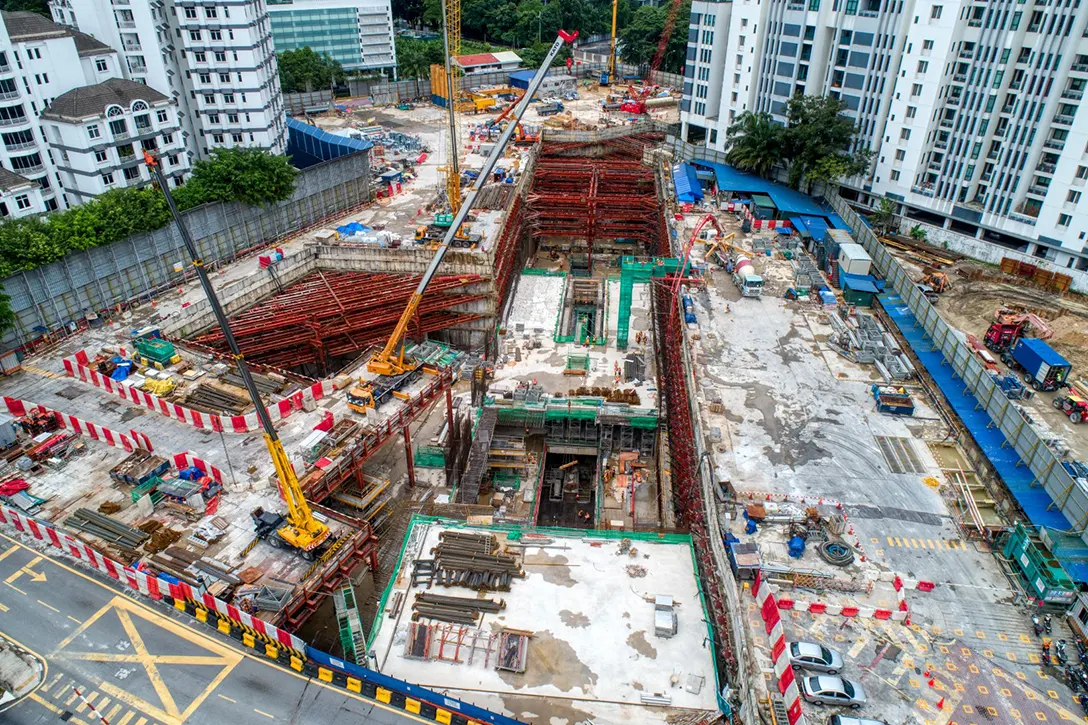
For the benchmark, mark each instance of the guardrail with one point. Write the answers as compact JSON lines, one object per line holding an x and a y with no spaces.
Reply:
{"x":1070,"y":498}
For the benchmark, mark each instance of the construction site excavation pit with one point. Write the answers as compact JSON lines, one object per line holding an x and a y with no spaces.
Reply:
{"x":573,"y":625}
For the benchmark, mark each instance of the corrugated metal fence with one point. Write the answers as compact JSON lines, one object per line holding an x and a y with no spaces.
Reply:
{"x":62,"y":293}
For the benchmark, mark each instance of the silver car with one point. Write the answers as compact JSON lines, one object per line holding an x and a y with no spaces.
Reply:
{"x":827,"y":690}
{"x":815,"y":657}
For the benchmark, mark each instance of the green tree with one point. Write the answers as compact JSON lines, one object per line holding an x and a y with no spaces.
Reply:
{"x":250,"y":176}
{"x":639,"y":37}
{"x":533,"y":55}
{"x":815,"y":129}
{"x":41,"y":7}
{"x":305,"y":69}
{"x":414,"y":56}
{"x":883,"y":215}
{"x":828,"y":169}
{"x":755,"y":143}
{"x":7,"y":316}
{"x":409,"y":10}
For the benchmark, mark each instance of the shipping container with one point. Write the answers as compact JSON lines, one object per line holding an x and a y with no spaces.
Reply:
{"x":853,"y":259}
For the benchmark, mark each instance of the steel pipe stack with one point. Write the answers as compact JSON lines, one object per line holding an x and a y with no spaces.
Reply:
{"x":471,"y":560}
{"x":456,"y":610}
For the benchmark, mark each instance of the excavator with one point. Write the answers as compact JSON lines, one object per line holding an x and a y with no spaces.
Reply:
{"x":297,"y":529}
{"x":390,"y":363}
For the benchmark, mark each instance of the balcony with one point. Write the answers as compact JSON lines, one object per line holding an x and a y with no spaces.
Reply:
{"x":1046,"y":168}
{"x":869,"y":13}
{"x":137,"y":67}
{"x":986,"y":176}
{"x":13,"y":121}
{"x":973,"y":23}
{"x":948,"y":122}
{"x":1073,"y":95}
{"x":1080,"y":68}
{"x":1009,"y":108}
{"x":942,"y":145}
{"x":994,"y":155}
{"x":120,"y":2}
{"x":121,"y":135}
{"x":1023,"y":218}
{"x":1037,"y":190}
{"x":1059,"y":119}
{"x":923,"y":190}
{"x":1053,"y":144}
{"x":126,"y":24}
{"x":1015,"y":85}
{"x":5,"y":67}
{"x":8,"y":95}
{"x":27,"y":171}
{"x":795,"y":6}
{"x":21,"y":146}
{"x":133,"y":47}
{"x":934,"y":165}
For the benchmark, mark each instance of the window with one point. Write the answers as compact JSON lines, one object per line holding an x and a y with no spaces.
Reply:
{"x":200,"y":57}
{"x":101,"y":66}
{"x":236,"y":137}
{"x":173,"y":159}
{"x":211,"y":12}
{"x":101,"y":157}
{"x":232,"y":118}
{"x":119,"y":127}
{"x":923,"y":66}
{"x":93,"y":131}
{"x":224,"y":77}
{"x":217,"y":137}
{"x":213,"y":118}
{"x":904,"y":134}
{"x":927,"y":45}
{"x":194,"y":35}
{"x":734,"y":97}
{"x":205,"y":77}
{"x":209,"y":98}
{"x":1082,"y":172}
{"x":900,"y":154}
{"x":935,"y":13}
{"x":167,"y":139}
{"x":1064,"y":220}
{"x":216,"y":35}
{"x":1073,"y":198}
{"x":190,"y":13}
{"x":221,"y":57}
{"x":132,"y":173}
{"x":4,"y":209}
{"x":107,"y":179}
{"x":895,"y":175}
{"x":143,"y":122}
{"x":228,"y":98}
{"x":916,"y":89}
{"x":912,"y":111}
{"x":162,"y":116}
{"x":34,"y":53}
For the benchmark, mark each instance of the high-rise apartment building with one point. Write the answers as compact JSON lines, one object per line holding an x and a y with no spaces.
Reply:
{"x":970,"y":106}
{"x":358,"y":34}
{"x":215,"y":58}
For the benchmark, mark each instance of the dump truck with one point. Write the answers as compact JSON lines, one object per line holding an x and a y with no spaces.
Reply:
{"x":1042,"y":367}
{"x":745,"y":278}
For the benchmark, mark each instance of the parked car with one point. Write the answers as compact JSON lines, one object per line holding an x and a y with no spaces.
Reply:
{"x":827,"y":690}
{"x":815,"y":657}
{"x":850,"y":720}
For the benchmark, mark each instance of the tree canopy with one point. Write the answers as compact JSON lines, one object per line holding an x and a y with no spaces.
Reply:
{"x":249,"y":176}
{"x":305,"y":69}
{"x":639,"y":37}
{"x":814,"y":145}
{"x":41,"y":7}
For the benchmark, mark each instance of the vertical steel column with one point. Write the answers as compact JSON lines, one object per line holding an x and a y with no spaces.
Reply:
{"x":408,"y":458}
{"x":449,"y":410}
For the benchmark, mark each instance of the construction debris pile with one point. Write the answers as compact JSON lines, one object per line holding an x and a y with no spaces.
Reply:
{"x":860,"y":338}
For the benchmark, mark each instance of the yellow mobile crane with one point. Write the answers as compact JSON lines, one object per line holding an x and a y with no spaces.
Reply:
{"x":390,"y":360}
{"x":299,"y":529}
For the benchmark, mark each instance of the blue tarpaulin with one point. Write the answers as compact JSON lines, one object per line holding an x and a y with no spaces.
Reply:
{"x":688,"y":189}
{"x":308,"y":145}
{"x":123,"y":369}
{"x":860,"y":282}
{"x":352,"y":228}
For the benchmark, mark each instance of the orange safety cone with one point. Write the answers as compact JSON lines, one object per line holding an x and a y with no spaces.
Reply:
{"x":940,"y":704}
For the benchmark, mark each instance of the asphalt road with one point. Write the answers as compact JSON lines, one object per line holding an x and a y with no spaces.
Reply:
{"x":137,"y":663}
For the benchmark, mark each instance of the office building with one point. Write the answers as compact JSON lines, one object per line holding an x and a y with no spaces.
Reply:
{"x":970,"y":108}
{"x":358,"y":34}
{"x":214,"y":59}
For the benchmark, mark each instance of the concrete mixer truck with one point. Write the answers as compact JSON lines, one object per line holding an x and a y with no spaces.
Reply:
{"x":745,"y":278}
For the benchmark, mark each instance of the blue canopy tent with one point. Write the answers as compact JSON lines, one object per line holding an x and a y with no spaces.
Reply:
{"x":688,"y":188}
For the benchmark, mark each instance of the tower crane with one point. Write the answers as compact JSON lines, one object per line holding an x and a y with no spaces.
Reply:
{"x":610,"y":71}
{"x":298,"y":529}
{"x":390,"y":360}
{"x":452,"y":37}
{"x":663,"y":41}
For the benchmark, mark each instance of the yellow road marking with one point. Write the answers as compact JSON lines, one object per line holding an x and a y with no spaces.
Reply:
{"x":3,"y":608}
{"x":55,"y":680}
{"x":198,"y":638}
{"x":227,"y":698}
{"x":48,"y":606}
{"x":8,"y":552}
{"x":128,"y":716}
{"x":77,"y":621}
{"x":16,"y":588}
{"x":141,"y":721}
{"x":35,"y":576}
{"x":72,"y":698}
{"x":261,"y":712}
{"x":86,"y":700}
{"x":113,"y":712}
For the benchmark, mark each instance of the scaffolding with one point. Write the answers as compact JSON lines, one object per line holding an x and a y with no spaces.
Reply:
{"x":352,"y":639}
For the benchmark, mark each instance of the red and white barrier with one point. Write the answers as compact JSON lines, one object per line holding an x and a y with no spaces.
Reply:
{"x":184,"y":460}
{"x":129,"y":441}
{"x":78,"y":366}
{"x":134,"y":579}
{"x":746,"y":210}
{"x":784,"y":677}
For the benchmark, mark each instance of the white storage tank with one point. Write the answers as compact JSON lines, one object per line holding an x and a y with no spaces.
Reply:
{"x":853,"y":259}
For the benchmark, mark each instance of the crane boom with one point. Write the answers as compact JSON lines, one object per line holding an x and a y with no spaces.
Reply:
{"x":302,"y":531}
{"x":663,"y":41}
{"x":384,"y":362}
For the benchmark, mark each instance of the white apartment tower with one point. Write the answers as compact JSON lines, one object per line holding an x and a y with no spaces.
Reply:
{"x":970,"y":106}
{"x":215,"y":58}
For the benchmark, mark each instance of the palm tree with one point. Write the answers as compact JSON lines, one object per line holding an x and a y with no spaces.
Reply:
{"x":755,"y":143}
{"x":883,"y":215}
{"x":917,"y":233}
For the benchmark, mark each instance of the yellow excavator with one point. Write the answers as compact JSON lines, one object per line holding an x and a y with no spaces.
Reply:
{"x":297,"y":529}
{"x":390,"y":362}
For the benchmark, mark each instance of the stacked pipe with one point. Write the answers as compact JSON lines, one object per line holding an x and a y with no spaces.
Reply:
{"x":456,"y":610}
{"x":472,"y":561}
{"x":105,"y":528}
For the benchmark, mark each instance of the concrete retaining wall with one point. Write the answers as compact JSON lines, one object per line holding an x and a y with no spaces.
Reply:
{"x":62,"y":293}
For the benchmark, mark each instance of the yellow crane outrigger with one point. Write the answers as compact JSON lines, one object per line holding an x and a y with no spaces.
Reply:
{"x":298,"y":529}
{"x":390,"y":360}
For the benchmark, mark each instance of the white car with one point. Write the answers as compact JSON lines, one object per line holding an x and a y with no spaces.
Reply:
{"x":827,"y":690}
{"x":815,"y":657}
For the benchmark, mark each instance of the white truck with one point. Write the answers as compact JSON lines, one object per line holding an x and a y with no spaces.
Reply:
{"x":745,"y":278}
